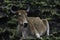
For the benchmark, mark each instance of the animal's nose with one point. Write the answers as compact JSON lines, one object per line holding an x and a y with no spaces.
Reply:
{"x":25,"y":25}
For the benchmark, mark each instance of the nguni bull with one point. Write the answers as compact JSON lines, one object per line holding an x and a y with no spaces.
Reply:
{"x":31,"y":26}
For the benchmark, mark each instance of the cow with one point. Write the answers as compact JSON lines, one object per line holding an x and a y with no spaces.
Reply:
{"x":31,"y":25}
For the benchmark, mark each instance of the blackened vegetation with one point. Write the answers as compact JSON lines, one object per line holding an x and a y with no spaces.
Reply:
{"x":1,"y":1}
{"x":4,"y":20}
{"x":1,"y":37}
{"x":58,"y":6}
{"x":1,"y":10}
{"x":55,"y":24}
{"x":37,"y":13}
{"x":5,"y":17}
{"x":5,"y":35}
{"x":46,"y":14}
{"x":52,"y":2}
{"x":16,"y":38}
{"x":12,"y":26}
{"x":56,"y":18}
{"x":33,"y":13}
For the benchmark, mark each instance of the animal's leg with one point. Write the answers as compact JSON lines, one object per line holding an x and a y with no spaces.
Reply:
{"x":47,"y":29}
{"x":19,"y":31}
{"x":22,"y":36}
{"x":47,"y":25}
{"x":24,"y":33}
{"x":37,"y":34}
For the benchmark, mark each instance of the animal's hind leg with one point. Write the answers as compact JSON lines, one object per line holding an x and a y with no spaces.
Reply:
{"x":48,"y":30}
{"x":47,"y":26}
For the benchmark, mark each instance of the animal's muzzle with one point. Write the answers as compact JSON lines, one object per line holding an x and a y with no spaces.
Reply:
{"x":25,"y":25}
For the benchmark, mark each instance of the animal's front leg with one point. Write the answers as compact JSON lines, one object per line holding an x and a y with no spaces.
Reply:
{"x":38,"y":36}
{"x":24,"y":33}
{"x":47,"y":26}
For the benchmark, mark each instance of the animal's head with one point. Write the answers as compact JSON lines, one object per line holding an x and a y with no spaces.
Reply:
{"x":21,"y":13}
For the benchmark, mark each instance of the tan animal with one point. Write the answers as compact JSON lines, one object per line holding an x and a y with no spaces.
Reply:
{"x":36,"y":26}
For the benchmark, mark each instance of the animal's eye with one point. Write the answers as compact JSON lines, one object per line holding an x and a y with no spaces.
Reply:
{"x":21,"y":24}
{"x":19,"y":15}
